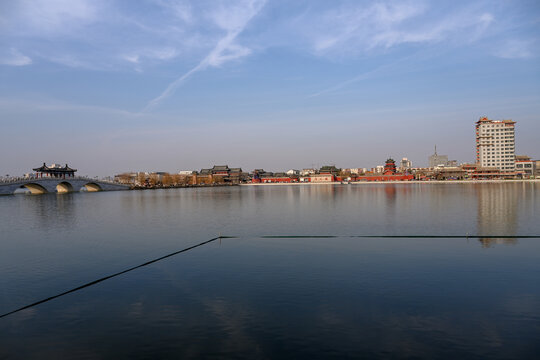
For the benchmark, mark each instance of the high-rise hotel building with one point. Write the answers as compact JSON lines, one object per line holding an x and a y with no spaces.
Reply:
{"x":495,"y":143}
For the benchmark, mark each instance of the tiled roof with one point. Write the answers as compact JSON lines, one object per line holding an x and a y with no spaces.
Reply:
{"x":220,"y":167}
{"x":45,"y":168}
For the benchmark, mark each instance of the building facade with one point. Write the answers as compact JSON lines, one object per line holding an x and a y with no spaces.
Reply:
{"x":405,"y":164}
{"x":525,"y":167}
{"x":495,"y":144}
{"x":322,"y":178}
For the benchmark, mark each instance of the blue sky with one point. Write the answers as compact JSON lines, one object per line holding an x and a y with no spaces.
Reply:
{"x":112,"y":86}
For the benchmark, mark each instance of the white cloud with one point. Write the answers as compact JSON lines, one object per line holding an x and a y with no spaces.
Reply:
{"x":14,"y":58}
{"x":161,"y":54}
{"x":361,"y":24}
{"x":182,"y":10}
{"x":514,"y":49}
{"x":103,"y":35}
{"x":234,"y":20}
{"x":45,"y":17}
{"x":132,"y":58}
{"x":360,"y":29}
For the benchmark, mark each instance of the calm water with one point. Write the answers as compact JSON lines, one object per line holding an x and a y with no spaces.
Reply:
{"x":253,"y":297}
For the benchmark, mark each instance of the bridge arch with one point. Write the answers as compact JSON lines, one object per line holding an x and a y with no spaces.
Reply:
{"x":92,"y":187}
{"x":34,"y":188}
{"x":64,"y":187}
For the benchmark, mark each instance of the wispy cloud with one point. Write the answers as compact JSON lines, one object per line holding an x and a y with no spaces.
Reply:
{"x":139,"y":55}
{"x":53,"y":105}
{"x":371,"y":25}
{"x":515,"y":49}
{"x":359,"y":29}
{"x":181,"y":9}
{"x":363,"y":76}
{"x":53,"y":17}
{"x":105,"y":35}
{"x":14,"y":58}
{"x":233,"y":20}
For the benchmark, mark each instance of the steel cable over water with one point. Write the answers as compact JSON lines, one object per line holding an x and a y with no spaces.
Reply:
{"x":113,"y":275}
{"x":400,"y":236}
{"x":269,"y":237}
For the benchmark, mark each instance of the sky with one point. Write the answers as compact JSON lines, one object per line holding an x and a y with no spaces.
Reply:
{"x":110,"y":86}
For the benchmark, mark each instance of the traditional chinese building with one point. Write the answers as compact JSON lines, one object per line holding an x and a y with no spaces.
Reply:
{"x":55,"y":171}
{"x":389,"y":174}
{"x":390,"y":167}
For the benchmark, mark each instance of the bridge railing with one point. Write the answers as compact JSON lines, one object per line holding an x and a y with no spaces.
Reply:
{"x":13,"y":180}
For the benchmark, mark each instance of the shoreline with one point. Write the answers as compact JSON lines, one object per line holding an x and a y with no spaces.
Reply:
{"x":404,"y":182}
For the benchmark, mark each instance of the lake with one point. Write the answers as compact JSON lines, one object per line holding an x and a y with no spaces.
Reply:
{"x":426,"y":271}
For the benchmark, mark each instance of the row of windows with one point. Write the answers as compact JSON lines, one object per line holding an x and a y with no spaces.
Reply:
{"x":498,"y":146}
{"x":495,"y":130}
{"x":494,"y":125}
{"x":496,"y":142}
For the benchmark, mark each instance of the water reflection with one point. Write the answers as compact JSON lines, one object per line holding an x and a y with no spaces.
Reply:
{"x":49,"y":211}
{"x":497,"y":212}
{"x":250,"y":297}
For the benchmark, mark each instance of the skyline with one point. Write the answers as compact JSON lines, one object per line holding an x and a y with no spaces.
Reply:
{"x":165,"y":86}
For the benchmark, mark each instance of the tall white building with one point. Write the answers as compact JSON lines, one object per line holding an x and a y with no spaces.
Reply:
{"x":495,"y":143}
{"x":405,"y":164}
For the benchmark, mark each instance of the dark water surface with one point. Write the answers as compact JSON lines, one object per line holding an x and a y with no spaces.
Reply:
{"x":253,"y":297}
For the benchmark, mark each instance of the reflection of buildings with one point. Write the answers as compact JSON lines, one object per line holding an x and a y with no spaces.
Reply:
{"x":391,"y":194}
{"x":497,"y":212}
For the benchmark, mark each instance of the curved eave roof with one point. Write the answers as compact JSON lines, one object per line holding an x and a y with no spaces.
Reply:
{"x":45,"y":168}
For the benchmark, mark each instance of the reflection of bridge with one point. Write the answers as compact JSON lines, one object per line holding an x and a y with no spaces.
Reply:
{"x":59,"y":185}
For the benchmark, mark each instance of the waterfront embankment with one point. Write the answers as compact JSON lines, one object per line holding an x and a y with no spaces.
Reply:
{"x":401,"y":182}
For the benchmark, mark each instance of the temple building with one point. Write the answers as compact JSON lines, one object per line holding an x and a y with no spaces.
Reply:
{"x":54,"y":171}
{"x":389,"y":173}
{"x":390,"y":167}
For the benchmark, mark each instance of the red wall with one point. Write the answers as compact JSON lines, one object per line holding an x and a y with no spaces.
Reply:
{"x":386,"y":178}
{"x":276,"y":180}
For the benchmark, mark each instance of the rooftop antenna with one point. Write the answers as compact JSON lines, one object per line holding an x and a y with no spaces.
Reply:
{"x":435,"y":150}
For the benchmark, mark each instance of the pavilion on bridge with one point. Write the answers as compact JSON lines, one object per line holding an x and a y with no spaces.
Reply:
{"x":55,"y":171}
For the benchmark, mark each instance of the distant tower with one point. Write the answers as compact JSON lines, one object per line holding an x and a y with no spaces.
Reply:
{"x":436,"y":160}
{"x":495,"y":143}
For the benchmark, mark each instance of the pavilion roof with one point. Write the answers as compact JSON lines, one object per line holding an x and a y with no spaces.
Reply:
{"x":220,"y":167}
{"x":45,"y":168}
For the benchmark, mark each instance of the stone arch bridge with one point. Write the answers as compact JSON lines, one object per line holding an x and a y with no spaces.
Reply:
{"x":59,"y":185}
